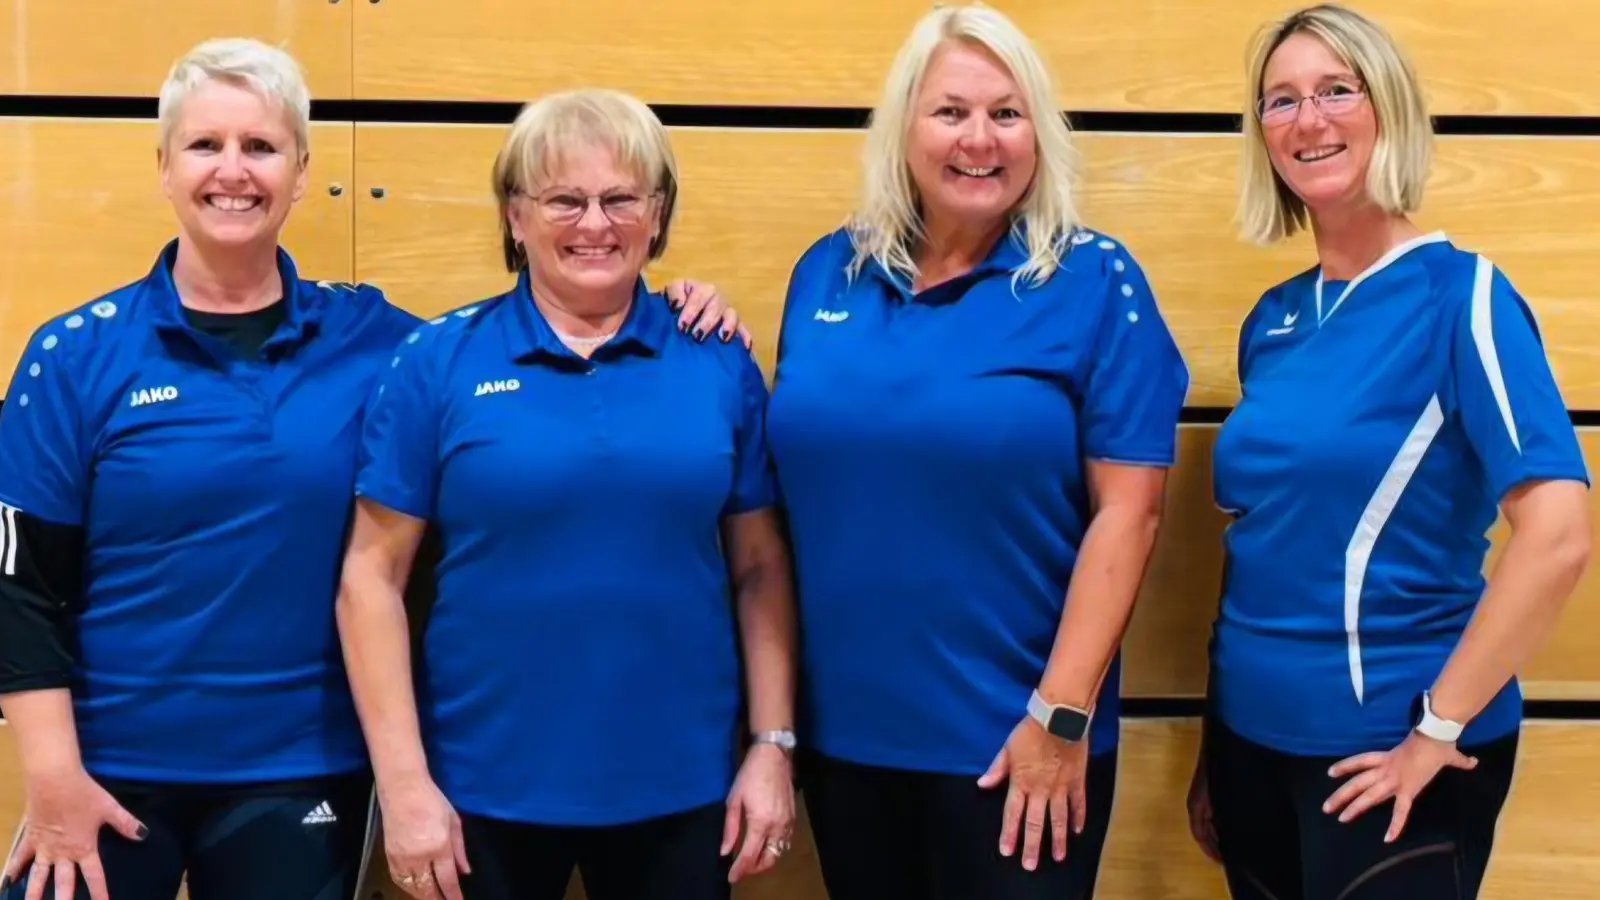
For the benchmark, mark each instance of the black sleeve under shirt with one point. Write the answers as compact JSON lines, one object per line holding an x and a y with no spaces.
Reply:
{"x":41,"y":596}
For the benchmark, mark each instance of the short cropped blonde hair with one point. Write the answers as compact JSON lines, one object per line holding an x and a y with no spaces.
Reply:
{"x":549,"y":129}
{"x":1398,"y":174}
{"x":268,"y":71}
{"x":887,"y":224}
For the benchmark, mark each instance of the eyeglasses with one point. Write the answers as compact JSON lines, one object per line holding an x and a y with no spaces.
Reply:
{"x":562,"y":206}
{"x":1331,"y":102}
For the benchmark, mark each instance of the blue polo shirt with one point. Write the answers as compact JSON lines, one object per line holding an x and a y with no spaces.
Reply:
{"x":214,"y":495}
{"x":1381,"y":422}
{"x":931,"y":452}
{"x":581,"y":662}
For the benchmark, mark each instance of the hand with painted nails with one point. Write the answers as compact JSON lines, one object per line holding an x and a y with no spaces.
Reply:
{"x":61,"y":835}
{"x":702,"y":312}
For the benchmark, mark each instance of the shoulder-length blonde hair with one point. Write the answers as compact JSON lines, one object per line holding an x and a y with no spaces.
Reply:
{"x":1269,"y":210}
{"x":887,"y":223}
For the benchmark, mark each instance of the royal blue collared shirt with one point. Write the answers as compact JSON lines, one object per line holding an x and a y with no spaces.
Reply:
{"x":931,"y":451}
{"x":213,"y":491}
{"x":1382,"y":421}
{"x":581,"y":662}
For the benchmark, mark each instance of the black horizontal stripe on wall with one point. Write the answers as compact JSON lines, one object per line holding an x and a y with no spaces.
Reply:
{"x":452,"y":112}
{"x":1191,"y":707}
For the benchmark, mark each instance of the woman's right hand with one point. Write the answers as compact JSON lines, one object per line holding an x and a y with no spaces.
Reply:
{"x":61,"y":834}
{"x":1200,"y":823}
{"x":422,"y":840}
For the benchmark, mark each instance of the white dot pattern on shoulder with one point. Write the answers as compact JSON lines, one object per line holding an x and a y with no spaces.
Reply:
{"x":49,"y":342}
{"x":1107,"y":245}
{"x":1117,"y":264}
{"x":438,"y":321}
{"x":413,"y":337}
{"x":1133,"y":317}
{"x":23,"y":400}
{"x":74,"y":322}
{"x":1127,"y":290}
{"x":35,"y":369}
{"x":1081,"y":238}
{"x":394,"y":362}
{"x":105,"y":309}
{"x":466,"y":313}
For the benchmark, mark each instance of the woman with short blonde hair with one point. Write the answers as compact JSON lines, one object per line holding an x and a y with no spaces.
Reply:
{"x":606,"y":681}
{"x":975,"y":406}
{"x":1363,"y":716}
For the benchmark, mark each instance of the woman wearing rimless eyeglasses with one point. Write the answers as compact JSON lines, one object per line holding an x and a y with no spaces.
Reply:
{"x":1364,"y":711}
{"x":606,"y":679}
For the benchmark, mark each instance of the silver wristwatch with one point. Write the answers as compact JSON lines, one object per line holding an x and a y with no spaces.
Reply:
{"x":783,"y":739}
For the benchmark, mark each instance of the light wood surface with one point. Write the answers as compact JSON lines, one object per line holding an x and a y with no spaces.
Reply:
{"x":124,"y":48}
{"x":1545,"y":847}
{"x":1476,"y":56}
{"x":752,"y":201}
{"x":82,"y":213}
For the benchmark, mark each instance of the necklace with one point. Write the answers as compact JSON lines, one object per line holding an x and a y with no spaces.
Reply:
{"x":588,"y":343}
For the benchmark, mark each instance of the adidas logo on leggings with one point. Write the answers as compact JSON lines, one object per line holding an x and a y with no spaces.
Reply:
{"x":322,"y":815}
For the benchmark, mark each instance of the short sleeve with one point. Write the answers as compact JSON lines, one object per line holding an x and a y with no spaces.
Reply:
{"x":1506,"y":394}
{"x":753,"y":480}
{"x":44,"y":448}
{"x":1137,"y":380}
{"x":399,"y":459}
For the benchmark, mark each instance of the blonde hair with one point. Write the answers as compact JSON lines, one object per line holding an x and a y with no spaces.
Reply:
{"x":271,"y":73}
{"x":1269,"y":210}
{"x":571,"y":121}
{"x":887,"y":226}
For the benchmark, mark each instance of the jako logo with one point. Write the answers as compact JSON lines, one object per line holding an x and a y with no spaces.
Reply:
{"x":153,"y":395}
{"x":497,"y":387}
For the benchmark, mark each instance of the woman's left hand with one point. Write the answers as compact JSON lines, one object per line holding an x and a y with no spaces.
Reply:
{"x":1401,"y":773}
{"x":701,"y":311}
{"x":1046,"y":776}
{"x":762,"y":801}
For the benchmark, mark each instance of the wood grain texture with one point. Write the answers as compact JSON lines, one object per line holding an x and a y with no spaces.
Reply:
{"x":1476,"y":56}
{"x":82,"y":213}
{"x":752,"y":201}
{"x":1165,"y":649}
{"x":1545,"y":846}
{"x":124,"y":48}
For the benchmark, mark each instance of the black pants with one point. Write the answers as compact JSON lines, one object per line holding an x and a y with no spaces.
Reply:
{"x":676,"y":857}
{"x":299,"y":840}
{"x":1278,"y":844}
{"x":884,"y":834}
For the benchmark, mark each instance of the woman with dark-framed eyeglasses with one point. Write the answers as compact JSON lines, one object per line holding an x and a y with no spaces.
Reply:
{"x":606,"y":679}
{"x":1363,"y":714}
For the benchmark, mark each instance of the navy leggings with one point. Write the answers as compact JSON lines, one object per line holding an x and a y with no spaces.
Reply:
{"x":301,"y":840}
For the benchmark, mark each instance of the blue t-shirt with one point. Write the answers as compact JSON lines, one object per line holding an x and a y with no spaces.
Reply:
{"x":581,"y":663}
{"x":214,"y":494}
{"x":1381,"y":422}
{"x":931,"y":454}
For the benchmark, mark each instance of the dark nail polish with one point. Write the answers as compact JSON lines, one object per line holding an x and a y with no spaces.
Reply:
{"x":699,"y":334}
{"x":5,"y":884}
{"x":143,"y":832}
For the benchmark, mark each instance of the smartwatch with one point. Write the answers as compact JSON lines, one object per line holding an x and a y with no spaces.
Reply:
{"x":1068,"y":723}
{"x":1430,"y":725}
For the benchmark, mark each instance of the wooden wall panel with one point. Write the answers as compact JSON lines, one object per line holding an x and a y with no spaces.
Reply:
{"x":1143,"y":55}
{"x":1165,"y":650}
{"x":82,"y":213}
{"x":124,"y":48}
{"x":1545,"y":848}
{"x":752,"y":201}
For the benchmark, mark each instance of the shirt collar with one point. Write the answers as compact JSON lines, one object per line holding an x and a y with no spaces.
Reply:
{"x":1008,"y":254}
{"x":644,"y":331}
{"x":302,"y":315}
